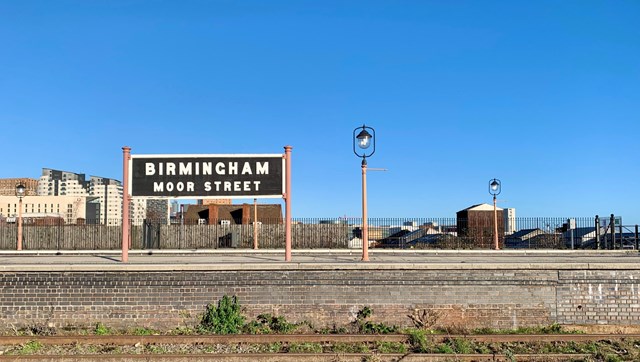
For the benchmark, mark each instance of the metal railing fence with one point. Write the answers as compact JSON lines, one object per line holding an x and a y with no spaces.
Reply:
{"x":328,"y":233}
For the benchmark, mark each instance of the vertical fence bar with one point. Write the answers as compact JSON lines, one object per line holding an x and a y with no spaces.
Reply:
{"x":597,"y":225}
{"x":126,"y":154}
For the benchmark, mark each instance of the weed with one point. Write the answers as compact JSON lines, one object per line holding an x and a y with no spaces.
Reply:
{"x":424,"y":318}
{"x":444,"y":348}
{"x":305,"y":348}
{"x":225,"y":318}
{"x":155,"y":349}
{"x":613,"y":358}
{"x":368,"y":327}
{"x":40,"y":330}
{"x":333,"y":330}
{"x":183,"y":331}
{"x":350,"y":348}
{"x":275,"y":347}
{"x":510,"y":355}
{"x":101,"y":329}
{"x":140,"y":331}
{"x":463,"y":346}
{"x":266,"y":323}
{"x":376,"y":328}
{"x":419,"y":342}
{"x":391,"y":347}
{"x":30,"y":347}
{"x":372,"y":358}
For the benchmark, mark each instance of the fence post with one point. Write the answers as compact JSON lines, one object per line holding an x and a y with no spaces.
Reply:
{"x":612,"y":221}
{"x":636,"y":237}
{"x":597,"y":232}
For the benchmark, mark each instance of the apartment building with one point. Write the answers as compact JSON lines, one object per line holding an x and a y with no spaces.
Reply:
{"x":103,"y":196}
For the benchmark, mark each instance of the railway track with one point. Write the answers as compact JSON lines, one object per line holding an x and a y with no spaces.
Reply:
{"x":121,"y":340}
{"x":307,"y":357}
{"x":145,"y":353}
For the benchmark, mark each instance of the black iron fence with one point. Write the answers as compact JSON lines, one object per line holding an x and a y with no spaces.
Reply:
{"x":330,"y":233}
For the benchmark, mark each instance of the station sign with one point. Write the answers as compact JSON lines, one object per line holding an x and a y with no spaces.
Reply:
{"x":207,"y":176}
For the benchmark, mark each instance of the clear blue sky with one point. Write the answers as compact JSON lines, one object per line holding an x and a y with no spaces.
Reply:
{"x":544,"y":95}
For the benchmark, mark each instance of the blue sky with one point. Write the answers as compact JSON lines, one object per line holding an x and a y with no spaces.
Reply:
{"x":543,"y":95}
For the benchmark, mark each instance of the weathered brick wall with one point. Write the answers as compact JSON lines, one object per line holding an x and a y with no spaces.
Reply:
{"x":599,"y":297}
{"x":468,"y":298}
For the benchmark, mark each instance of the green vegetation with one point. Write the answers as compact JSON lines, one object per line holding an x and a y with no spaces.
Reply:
{"x":368,"y":327}
{"x":31,"y":347}
{"x":350,"y":348}
{"x":305,"y":348}
{"x":266,"y":323}
{"x":550,"y":329}
{"x":225,"y":318}
{"x":391,"y":347}
{"x":101,"y":330}
{"x":140,"y":331}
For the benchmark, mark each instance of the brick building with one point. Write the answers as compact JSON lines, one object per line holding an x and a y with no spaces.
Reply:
{"x":8,"y":186}
{"x":477,"y":222}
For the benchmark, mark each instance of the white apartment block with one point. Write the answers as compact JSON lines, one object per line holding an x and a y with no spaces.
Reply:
{"x":106,"y":192}
{"x":109,"y":193}
{"x":69,"y":208}
{"x":509,"y":220}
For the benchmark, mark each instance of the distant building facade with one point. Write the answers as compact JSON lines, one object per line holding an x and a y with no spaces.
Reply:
{"x":71,"y":209}
{"x":105,"y":194}
{"x":477,"y":222}
{"x":8,"y":186}
{"x":509,"y":220}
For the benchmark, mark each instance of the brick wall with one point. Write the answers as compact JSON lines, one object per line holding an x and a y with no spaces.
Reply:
{"x":469,"y":298}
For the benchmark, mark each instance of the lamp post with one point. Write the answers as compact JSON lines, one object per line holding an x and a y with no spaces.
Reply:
{"x":364,"y":141}
{"x":495,"y":187}
{"x":20,"y":191}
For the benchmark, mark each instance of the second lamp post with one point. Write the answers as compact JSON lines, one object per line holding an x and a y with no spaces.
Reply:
{"x":494,"y":189}
{"x":20,"y":191}
{"x":364,"y":145}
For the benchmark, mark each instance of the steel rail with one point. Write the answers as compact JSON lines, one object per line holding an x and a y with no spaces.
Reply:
{"x":300,"y":338}
{"x":298,"y":357}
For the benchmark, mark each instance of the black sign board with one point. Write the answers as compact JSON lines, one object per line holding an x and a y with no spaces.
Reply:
{"x":207,"y":176}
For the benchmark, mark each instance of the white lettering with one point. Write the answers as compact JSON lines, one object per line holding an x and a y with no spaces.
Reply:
{"x":207,"y":186}
{"x":233,"y":168}
{"x":247,"y":185}
{"x":180,"y":186}
{"x":149,"y":169}
{"x":246,"y":169}
{"x":220,"y":168}
{"x":262,"y":169}
{"x":171,"y":169}
{"x":217,"y":183}
{"x":169,"y":186}
{"x":227,"y":186}
{"x":158,"y":187}
{"x":236,"y":186}
{"x":207,"y":168}
{"x":185,"y":168}
{"x":190,"y":186}
{"x":257,"y":185}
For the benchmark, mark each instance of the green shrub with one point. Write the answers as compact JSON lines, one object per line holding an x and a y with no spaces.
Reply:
{"x":368,"y":327}
{"x":225,"y":318}
{"x":101,"y":329}
{"x":419,"y":342}
{"x":391,"y":347}
{"x":266,"y":323}
{"x":31,"y":347}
